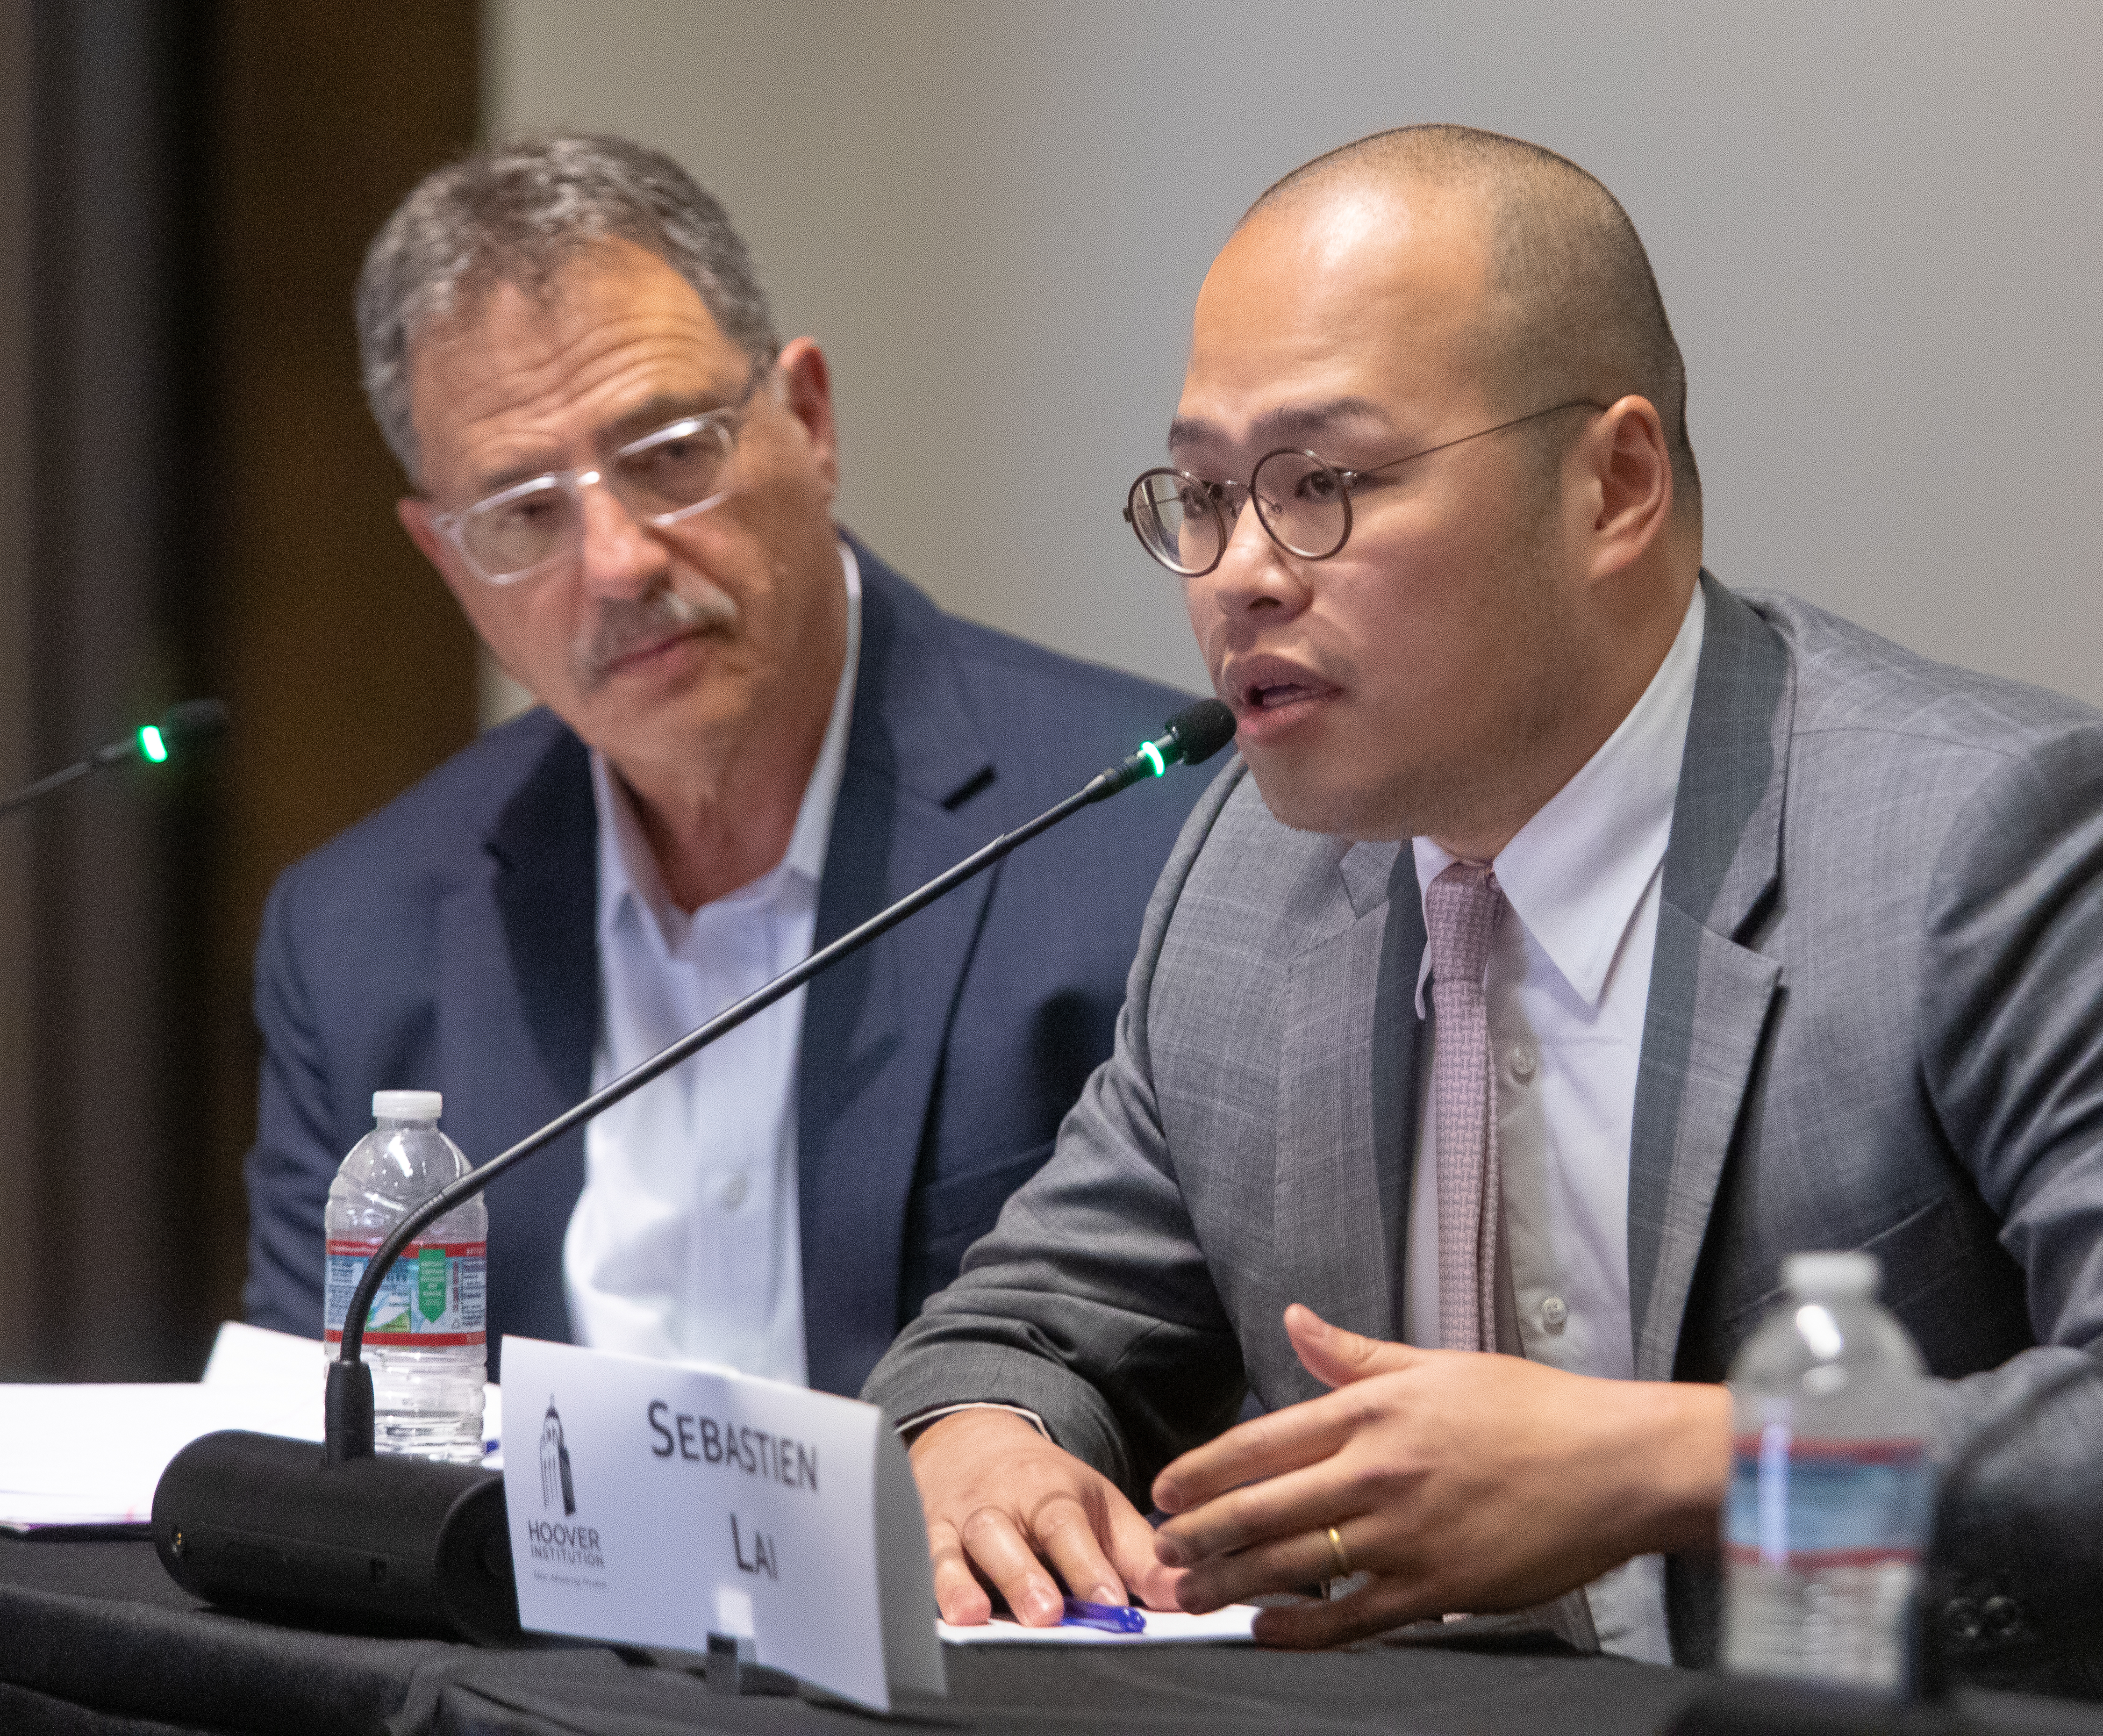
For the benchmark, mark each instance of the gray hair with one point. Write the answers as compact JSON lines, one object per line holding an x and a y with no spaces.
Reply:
{"x":519,"y":212}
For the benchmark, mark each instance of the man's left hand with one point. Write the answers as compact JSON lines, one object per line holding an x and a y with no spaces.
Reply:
{"x":1459,"y":1480}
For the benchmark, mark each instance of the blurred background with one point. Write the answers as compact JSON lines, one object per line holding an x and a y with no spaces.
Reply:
{"x":1876,"y":226}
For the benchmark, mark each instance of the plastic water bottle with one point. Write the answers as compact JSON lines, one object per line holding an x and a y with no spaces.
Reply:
{"x":1831,"y":1485}
{"x":425,"y":1337}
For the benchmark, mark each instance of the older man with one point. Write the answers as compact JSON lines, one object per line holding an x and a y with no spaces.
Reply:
{"x":1574,"y":939}
{"x":753,"y":734}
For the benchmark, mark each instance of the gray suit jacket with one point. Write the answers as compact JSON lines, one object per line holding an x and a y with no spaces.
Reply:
{"x":1874,"y":1022}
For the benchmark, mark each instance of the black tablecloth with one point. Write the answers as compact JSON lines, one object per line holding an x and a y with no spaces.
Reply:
{"x":95,"y":1640}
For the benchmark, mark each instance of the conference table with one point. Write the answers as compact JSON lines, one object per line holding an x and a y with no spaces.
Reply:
{"x":95,"y":1640}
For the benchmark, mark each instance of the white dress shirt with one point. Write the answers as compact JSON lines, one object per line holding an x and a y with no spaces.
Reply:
{"x":1568,"y":986}
{"x":685,"y":1243}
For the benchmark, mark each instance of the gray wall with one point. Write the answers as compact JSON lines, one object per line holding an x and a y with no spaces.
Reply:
{"x":1876,"y":225}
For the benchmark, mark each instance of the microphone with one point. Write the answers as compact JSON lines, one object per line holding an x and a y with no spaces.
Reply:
{"x":195,"y":720}
{"x":412,"y":1544}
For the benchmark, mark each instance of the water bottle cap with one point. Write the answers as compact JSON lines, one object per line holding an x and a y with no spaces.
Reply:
{"x":407,"y":1105}
{"x":1832,"y":1275}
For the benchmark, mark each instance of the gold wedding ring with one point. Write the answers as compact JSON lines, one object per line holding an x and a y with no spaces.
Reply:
{"x":1338,"y":1553}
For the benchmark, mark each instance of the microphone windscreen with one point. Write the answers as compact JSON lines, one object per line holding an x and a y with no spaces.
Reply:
{"x":195,"y":720}
{"x":389,"y":1541}
{"x":1204,"y":729}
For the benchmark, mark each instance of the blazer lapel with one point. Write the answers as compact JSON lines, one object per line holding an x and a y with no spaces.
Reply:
{"x":1710,"y":994}
{"x":919,"y":794}
{"x":518,"y":1014}
{"x":1346,"y":1096}
{"x":1397,"y":1033}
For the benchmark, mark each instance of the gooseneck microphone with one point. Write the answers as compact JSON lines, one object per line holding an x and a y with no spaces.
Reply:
{"x":1194,"y":735}
{"x":411,"y":1543}
{"x":195,"y":720}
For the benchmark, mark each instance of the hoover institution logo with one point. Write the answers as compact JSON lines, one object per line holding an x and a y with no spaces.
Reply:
{"x":555,"y":1462}
{"x":557,"y":1543}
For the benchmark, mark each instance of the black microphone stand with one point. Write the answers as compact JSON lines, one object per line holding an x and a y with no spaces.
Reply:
{"x":382,"y":1539}
{"x":348,"y":1415}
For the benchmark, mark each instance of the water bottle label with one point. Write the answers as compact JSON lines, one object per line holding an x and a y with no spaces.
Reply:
{"x":433,"y":1298}
{"x":1811,"y":1504}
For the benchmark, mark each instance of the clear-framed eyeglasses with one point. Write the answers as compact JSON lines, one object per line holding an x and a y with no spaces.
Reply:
{"x":1303,"y":503}
{"x":669,"y":474}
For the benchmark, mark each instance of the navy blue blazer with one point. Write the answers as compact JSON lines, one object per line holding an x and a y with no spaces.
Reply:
{"x":449,"y":942}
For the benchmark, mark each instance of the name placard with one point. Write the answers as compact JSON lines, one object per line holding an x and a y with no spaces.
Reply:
{"x":654,"y":1505}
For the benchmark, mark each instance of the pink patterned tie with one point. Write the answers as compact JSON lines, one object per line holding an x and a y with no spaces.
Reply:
{"x":1460,"y":915}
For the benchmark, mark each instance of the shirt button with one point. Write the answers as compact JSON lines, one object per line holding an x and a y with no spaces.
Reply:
{"x":1553,"y":1312}
{"x":1523,"y":1062}
{"x":733,"y":1193}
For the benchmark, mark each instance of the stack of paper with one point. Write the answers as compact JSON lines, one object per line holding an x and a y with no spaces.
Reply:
{"x":92,"y":1455}
{"x":80,"y":1455}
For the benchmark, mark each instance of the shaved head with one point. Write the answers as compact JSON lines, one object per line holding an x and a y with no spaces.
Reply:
{"x":1573,"y":309}
{"x":1467,"y":326}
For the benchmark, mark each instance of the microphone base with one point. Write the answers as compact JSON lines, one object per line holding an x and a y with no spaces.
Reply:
{"x":347,"y":1412}
{"x":388,"y":1544}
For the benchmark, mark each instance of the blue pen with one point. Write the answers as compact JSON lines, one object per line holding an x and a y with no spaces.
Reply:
{"x":1112,"y":1618}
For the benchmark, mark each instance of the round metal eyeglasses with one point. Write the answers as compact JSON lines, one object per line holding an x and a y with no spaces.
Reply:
{"x":1303,"y":503}
{"x":670,"y":474}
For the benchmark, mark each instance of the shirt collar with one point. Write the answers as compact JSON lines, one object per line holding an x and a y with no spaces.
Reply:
{"x":628,"y":868}
{"x":1575,"y":872}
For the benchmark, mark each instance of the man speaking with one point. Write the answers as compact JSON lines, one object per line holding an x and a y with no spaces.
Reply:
{"x":1574,"y":939}
{"x":753,"y":735}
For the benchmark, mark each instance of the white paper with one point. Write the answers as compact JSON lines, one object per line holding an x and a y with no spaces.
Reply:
{"x":82,"y":1455}
{"x":652,"y":1503}
{"x":243,"y":1355}
{"x":90,"y":1455}
{"x":1227,"y":1627}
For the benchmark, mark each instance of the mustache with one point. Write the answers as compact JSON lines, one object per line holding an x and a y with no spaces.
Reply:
{"x":625,"y":624}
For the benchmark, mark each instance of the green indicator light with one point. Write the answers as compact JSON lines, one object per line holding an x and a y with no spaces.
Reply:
{"x":1153,"y":754}
{"x":151,"y":745}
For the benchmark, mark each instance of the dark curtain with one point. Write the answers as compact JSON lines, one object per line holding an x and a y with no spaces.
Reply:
{"x":192,"y":500}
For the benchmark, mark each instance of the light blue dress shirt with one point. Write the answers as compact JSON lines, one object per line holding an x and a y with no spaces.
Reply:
{"x":685,"y":1243}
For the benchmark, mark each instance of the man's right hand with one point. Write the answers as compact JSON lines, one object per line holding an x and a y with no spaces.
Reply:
{"x":1002,"y":1502}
